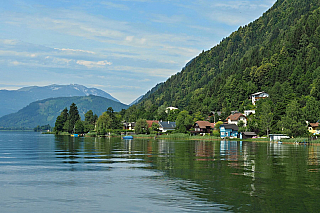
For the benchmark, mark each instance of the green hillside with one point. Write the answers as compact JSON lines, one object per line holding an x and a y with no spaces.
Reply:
{"x":278,"y":53}
{"x":46,"y":111}
{"x":281,"y":46}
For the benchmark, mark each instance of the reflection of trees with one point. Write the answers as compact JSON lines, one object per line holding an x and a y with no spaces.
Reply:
{"x":244,"y":176}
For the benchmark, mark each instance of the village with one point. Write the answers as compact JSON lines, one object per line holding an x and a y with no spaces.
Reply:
{"x":233,"y":127}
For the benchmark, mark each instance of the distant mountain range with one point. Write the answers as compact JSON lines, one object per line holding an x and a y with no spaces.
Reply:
{"x":45,"y":112}
{"x":14,"y":100}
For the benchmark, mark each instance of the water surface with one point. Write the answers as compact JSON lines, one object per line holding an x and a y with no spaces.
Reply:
{"x":48,"y":173}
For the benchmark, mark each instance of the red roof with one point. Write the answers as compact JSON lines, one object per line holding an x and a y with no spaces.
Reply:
{"x":204,"y":124}
{"x":150,"y":122}
{"x":235,"y":116}
{"x":314,"y":125}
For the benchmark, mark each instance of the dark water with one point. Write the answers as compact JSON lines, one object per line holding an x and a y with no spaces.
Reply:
{"x":46,"y":173}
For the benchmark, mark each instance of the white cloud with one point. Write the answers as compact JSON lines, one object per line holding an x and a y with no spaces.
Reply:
{"x":94,"y":64}
{"x":73,"y":50}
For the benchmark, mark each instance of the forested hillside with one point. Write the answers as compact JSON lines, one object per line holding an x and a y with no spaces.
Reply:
{"x":278,"y":53}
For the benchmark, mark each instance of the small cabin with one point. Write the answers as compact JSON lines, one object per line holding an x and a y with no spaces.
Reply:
{"x":228,"y":130}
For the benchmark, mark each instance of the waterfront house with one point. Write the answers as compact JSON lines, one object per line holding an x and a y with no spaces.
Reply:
{"x":150,"y":122}
{"x":236,"y":118}
{"x":257,"y":96}
{"x":314,"y":128}
{"x":202,"y":127}
{"x":167,"y":126}
{"x":129,"y":125}
{"x":228,"y":130}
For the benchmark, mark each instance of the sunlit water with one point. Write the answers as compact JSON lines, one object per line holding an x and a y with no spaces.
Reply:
{"x":47,"y":173}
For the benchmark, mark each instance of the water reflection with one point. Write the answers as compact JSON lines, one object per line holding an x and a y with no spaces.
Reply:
{"x":206,"y":175}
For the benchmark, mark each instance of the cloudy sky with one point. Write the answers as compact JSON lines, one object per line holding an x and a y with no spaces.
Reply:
{"x":124,"y":47}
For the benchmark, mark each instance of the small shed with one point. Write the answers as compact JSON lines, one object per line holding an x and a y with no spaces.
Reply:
{"x":245,"y":135}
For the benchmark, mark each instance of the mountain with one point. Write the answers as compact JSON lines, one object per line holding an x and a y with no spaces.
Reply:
{"x":136,"y":101}
{"x":14,"y":100}
{"x":278,"y":53}
{"x":46,"y":111}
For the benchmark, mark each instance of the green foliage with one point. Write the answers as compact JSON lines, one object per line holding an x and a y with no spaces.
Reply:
{"x":184,"y":122}
{"x":141,"y":127}
{"x":278,"y":53}
{"x":79,"y":127}
{"x":292,"y":122}
{"x":43,"y":128}
{"x":217,"y":125}
{"x":103,"y":123}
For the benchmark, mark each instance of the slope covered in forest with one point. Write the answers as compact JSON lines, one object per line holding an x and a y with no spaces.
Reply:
{"x":278,"y":53}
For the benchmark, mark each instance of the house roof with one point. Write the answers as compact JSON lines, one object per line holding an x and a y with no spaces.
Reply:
{"x":150,"y":122}
{"x":314,"y":125}
{"x":235,"y":117}
{"x":250,"y":133}
{"x":257,"y":93}
{"x":204,"y":124}
{"x":230,"y":126}
{"x":167,"y":124}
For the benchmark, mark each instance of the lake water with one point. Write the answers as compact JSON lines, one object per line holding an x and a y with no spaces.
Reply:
{"x":48,"y":173}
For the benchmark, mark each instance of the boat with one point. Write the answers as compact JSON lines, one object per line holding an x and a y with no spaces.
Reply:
{"x":74,"y":135}
{"x":127,"y":137}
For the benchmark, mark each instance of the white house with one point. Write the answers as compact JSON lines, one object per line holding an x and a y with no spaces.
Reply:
{"x":259,"y":95}
{"x":236,"y":118}
{"x":170,"y":108}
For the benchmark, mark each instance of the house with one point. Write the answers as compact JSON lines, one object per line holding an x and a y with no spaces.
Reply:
{"x":257,"y":96}
{"x":128,"y":125}
{"x":228,"y":130}
{"x":167,"y":126}
{"x":314,"y":128}
{"x":203,"y":127}
{"x":170,"y":108}
{"x":236,"y":118}
{"x":277,"y":137}
{"x":245,"y":135}
{"x":150,"y":122}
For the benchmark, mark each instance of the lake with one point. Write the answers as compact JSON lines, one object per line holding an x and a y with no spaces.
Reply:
{"x":48,"y":173}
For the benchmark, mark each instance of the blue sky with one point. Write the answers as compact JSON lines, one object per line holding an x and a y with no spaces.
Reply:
{"x":123,"y":47}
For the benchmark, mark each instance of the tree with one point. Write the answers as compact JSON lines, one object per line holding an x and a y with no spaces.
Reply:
{"x":73,"y":117}
{"x":60,"y":122}
{"x":198,"y":117}
{"x":79,"y":127}
{"x":103,"y":123}
{"x":293,"y":123}
{"x":141,"y":126}
{"x":155,"y":126}
{"x":184,"y":121}
{"x":265,"y":116}
{"x":89,"y":121}
{"x":217,"y":125}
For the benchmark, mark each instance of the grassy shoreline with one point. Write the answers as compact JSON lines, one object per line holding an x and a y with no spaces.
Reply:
{"x":182,"y":136}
